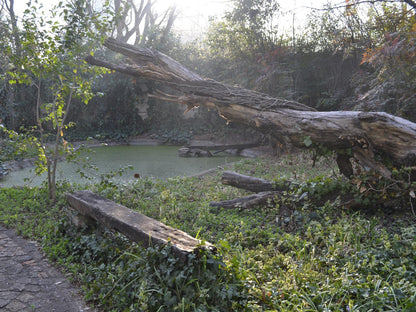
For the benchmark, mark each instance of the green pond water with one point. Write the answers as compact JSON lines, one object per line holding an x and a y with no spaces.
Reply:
{"x":159,"y":162}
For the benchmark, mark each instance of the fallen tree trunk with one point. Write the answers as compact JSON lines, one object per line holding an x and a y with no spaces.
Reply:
{"x":224,"y":146}
{"x":269,"y":193}
{"x":251,"y":183}
{"x":193,"y":152}
{"x":246,"y":202}
{"x":371,"y":139}
{"x":266,"y":191}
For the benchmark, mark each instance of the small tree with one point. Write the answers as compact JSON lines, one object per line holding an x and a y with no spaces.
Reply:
{"x":52,"y":62}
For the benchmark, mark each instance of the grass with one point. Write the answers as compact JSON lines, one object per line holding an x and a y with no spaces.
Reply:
{"x":293,"y":255}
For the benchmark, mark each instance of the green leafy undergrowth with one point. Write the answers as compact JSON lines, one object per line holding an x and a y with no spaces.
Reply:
{"x":27,"y":211}
{"x":301,"y":253}
{"x":120,"y":276}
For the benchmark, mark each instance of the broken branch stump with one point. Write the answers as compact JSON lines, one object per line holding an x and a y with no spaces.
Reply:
{"x":136,"y":226}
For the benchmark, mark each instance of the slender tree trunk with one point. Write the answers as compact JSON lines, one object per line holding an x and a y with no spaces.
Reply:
{"x":54,"y":158}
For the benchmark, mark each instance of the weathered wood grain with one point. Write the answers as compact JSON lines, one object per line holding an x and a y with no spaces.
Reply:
{"x":252,"y":184}
{"x":247,"y":202}
{"x":136,"y":226}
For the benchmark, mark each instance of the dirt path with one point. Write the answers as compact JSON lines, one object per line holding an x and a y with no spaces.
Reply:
{"x":28,"y":282}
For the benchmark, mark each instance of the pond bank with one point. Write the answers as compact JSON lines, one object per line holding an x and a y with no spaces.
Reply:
{"x":123,"y":164}
{"x":146,"y":140}
{"x":15,"y":165}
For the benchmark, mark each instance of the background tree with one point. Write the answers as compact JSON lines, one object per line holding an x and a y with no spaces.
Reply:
{"x":236,"y":43}
{"x":390,"y":64}
{"x":10,"y":33}
{"x":322,"y":67}
{"x":124,"y":108}
{"x":139,"y":24}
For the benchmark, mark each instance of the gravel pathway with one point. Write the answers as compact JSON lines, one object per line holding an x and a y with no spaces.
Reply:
{"x":28,"y":282}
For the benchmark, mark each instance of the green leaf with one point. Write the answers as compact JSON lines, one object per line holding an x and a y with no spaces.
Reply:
{"x":307,"y":141}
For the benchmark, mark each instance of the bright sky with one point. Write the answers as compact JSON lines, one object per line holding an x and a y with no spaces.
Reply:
{"x":194,"y":14}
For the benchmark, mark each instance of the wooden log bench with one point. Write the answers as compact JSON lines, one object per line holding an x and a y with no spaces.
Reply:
{"x":134,"y":225}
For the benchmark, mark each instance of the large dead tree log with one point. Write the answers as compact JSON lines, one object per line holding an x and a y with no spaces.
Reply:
{"x":371,"y":138}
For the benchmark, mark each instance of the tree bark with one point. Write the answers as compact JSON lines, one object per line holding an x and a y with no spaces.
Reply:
{"x":268,"y":193}
{"x":136,"y":226}
{"x":224,"y":146}
{"x":252,"y":184}
{"x":266,"y":190}
{"x":247,"y":202}
{"x":373,"y":139}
